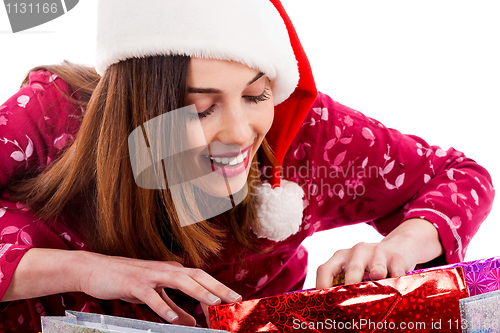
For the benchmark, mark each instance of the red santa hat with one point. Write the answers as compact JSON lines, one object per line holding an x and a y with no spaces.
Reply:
{"x":257,"y":33}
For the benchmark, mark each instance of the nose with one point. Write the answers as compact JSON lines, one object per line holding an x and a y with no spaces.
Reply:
{"x":236,"y":126}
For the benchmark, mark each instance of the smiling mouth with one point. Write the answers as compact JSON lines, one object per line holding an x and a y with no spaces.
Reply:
{"x":228,"y":160}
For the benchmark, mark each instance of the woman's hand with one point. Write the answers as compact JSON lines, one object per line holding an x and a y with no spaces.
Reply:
{"x":376,"y":259}
{"x":47,"y":271}
{"x":414,"y":241}
{"x":141,"y":281}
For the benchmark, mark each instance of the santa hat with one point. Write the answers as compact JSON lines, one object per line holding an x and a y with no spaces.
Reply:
{"x":257,"y":33}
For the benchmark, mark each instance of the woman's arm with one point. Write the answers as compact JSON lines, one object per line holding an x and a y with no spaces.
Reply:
{"x":35,"y":125}
{"x":364,"y":172}
{"x":412,"y":242}
{"x":43,"y":272}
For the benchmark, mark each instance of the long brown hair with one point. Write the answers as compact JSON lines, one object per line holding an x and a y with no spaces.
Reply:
{"x":116,"y":216}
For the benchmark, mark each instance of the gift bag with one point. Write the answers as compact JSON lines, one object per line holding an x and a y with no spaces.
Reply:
{"x":80,"y":322}
{"x":421,"y":302}
{"x":481,"y":313}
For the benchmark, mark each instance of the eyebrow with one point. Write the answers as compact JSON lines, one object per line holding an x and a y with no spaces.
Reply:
{"x":192,"y":90}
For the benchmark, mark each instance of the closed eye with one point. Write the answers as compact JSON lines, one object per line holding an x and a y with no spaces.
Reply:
{"x":261,"y":98}
{"x":254,"y":99}
{"x":203,"y":114}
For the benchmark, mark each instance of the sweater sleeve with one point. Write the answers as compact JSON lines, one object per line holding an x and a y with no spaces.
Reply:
{"x":35,"y":125}
{"x":353,"y":170}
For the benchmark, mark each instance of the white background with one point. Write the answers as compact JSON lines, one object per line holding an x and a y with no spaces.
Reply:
{"x":429,"y":68}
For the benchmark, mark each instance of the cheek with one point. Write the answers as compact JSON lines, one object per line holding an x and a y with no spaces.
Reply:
{"x":266,"y":120}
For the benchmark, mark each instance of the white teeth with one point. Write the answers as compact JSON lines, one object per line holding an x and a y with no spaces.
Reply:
{"x":231,"y":161}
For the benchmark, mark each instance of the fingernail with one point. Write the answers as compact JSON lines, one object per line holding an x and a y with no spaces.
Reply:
{"x":172,"y":316}
{"x":214,"y":299}
{"x":235,"y":297}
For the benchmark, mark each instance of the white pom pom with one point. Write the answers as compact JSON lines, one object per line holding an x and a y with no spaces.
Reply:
{"x":279,"y":210}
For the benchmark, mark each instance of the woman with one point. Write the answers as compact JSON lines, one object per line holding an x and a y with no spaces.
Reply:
{"x":70,"y":177}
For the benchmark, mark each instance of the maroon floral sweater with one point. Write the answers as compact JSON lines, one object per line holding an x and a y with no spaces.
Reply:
{"x":351,"y":167}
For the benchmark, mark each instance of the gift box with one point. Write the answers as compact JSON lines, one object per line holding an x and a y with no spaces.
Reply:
{"x":80,"y":322}
{"x":481,"y":313}
{"x":481,"y":276}
{"x":422,"y":302}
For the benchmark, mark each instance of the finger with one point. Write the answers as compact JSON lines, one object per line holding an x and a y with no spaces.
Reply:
{"x":333,"y":267}
{"x":153,"y":299}
{"x":397,"y":266}
{"x":378,"y":267}
{"x":216,"y":290}
{"x":184,"y":318}
{"x":214,"y":286}
{"x":204,"y":307}
{"x":358,"y":263}
{"x":198,"y":285}
{"x":354,"y":272}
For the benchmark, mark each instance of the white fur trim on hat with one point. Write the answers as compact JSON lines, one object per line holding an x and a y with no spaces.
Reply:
{"x":279,"y":210}
{"x":251,"y":32}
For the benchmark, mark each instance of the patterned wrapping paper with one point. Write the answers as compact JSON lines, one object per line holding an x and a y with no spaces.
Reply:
{"x":422,"y":302}
{"x":481,"y":276}
{"x":81,"y":322}
{"x":481,"y":313}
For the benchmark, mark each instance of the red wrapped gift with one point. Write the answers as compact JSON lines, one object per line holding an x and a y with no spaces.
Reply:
{"x":481,"y":276}
{"x":422,"y":302}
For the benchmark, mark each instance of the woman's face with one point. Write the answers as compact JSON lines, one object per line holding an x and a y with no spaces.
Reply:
{"x":235,"y":108}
